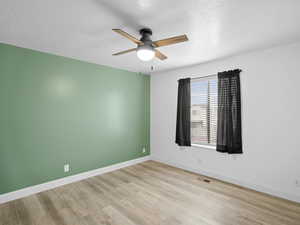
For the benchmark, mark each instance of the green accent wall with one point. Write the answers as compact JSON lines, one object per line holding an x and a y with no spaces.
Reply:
{"x":56,"y":110}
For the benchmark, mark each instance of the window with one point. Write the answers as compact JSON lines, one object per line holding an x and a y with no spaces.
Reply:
{"x":204,"y":111}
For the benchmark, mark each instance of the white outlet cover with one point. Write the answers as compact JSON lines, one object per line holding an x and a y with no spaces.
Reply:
{"x":144,"y":150}
{"x":66,"y":168}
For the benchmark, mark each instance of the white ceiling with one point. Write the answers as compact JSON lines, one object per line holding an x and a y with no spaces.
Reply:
{"x":81,"y":29}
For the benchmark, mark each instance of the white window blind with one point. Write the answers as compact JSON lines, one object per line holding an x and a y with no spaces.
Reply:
{"x":204,"y":110}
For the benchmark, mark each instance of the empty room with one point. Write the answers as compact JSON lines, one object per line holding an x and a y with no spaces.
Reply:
{"x":149,"y":112}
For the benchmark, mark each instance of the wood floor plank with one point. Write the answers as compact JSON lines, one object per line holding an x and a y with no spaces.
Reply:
{"x":150,"y":193}
{"x":235,"y":210}
{"x":279,"y":206}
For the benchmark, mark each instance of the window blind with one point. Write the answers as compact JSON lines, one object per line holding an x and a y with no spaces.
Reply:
{"x":204,"y":110}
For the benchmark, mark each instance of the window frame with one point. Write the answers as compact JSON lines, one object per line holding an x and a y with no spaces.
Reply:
{"x":203,"y":145}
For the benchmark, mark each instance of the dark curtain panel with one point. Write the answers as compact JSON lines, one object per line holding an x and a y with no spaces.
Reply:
{"x":183,"y":124}
{"x":229,"y":131}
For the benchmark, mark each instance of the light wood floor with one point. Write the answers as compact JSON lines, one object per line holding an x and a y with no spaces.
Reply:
{"x":149,"y":193}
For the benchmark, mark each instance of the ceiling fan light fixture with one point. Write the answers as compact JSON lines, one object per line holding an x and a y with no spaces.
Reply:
{"x":145,"y":52}
{"x":146,"y":48}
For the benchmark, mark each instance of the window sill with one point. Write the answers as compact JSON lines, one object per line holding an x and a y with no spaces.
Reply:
{"x":204,"y":146}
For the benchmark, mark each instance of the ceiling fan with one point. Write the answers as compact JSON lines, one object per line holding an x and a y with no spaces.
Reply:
{"x":146,"y":48}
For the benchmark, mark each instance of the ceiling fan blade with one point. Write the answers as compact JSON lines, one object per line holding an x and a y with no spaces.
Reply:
{"x":126,"y":51}
{"x":159,"y":55}
{"x":128,"y":36}
{"x":170,"y":41}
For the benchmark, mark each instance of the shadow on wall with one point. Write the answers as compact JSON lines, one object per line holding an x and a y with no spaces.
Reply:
{"x":115,"y":8}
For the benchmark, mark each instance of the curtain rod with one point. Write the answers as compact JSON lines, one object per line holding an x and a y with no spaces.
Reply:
{"x":211,"y":75}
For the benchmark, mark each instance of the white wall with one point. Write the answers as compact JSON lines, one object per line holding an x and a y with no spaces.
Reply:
{"x":270,"y":85}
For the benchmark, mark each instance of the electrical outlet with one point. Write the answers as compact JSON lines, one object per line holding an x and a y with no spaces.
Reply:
{"x":144,"y":150}
{"x":297,"y":183}
{"x":66,"y":168}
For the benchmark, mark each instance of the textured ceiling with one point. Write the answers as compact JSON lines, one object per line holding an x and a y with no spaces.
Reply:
{"x":82,"y":29}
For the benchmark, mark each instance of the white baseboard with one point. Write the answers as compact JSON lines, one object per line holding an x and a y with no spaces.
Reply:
{"x":67,"y":180}
{"x":255,"y":187}
{"x":70,"y":179}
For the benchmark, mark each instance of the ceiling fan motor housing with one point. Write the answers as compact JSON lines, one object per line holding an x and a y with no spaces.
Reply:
{"x":146,"y":36}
